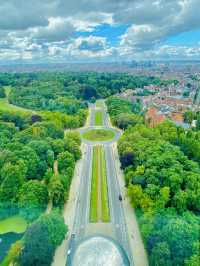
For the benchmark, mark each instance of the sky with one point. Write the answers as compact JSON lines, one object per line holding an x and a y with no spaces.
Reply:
{"x":99,"y":30}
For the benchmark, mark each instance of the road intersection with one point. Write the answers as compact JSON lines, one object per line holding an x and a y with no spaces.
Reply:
{"x":81,"y":218}
{"x":123,"y":227}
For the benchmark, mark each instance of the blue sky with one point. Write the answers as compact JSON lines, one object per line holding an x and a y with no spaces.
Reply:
{"x":92,"y":30}
{"x":111,"y":32}
{"x":190,"y":38}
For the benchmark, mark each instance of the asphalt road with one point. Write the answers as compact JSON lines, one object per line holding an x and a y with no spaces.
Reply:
{"x":81,"y":218}
{"x":92,"y":114}
{"x":116,"y":207}
{"x":82,"y":202}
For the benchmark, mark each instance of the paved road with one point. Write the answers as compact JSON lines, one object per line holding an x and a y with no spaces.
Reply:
{"x":81,"y":218}
{"x":82,"y":204}
{"x":92,"y":114}
{"x":116,"y":207}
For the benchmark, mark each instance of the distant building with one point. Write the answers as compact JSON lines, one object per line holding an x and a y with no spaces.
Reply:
{"x":178,"y":119}
{"x":153,"y":117}
{"x":194,"y":123}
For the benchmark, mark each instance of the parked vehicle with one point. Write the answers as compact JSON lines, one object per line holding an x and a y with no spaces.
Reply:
{"x":120,"y":197}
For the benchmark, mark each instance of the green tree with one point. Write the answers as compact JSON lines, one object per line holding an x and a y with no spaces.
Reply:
{"x":13,"y":177}
{"x":56,"y":191}
{"x":135,"y":194}
{"x":38,"y":249}
{"x":2,"y":92}
{"x":195,"y":258}
{"x":57,"y":146}
{"x":32,"y":162}
{"x":180,"y":235}
{"x":180,"y":201}
{"x":55,"y":226}
{"x":125,"y":120}
{"x":72,"y":147}
{"x":161,"y":255}
{"x":33,"y":199}
{"x":65,"y":160}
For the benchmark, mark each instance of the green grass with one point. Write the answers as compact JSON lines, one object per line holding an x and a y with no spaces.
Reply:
{"x":6,"y":106}
{"x":104,"y":189}
{"x":99,"y":173}
{"x":15,"y":224}
{"x":98,"y":135}
{"x":94,"y":186}
{"x":98,"y":118}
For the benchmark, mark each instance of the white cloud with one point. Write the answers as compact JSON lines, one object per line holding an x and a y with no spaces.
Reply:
{"x":58,"y":29}
{"x":89,"y":47}
{"x":48,"y":28}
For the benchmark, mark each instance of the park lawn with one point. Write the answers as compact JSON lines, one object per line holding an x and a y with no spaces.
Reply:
{"x":98,"y":118}
{"x":94,"y":186}
{"x":6,"y":106}
{"x":15,"y":224}
{"x":98,"y":135}
{"x":104,"y":189}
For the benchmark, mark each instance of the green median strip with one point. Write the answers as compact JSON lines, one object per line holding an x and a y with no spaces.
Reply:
{"x":99,"y":204}
{"x":104,"y":190}
{"x":94,"y":187}
{"x":98,"y":118}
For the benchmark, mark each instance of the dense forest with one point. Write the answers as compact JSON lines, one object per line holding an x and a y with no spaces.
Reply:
{"x":162,"y":174}
{"x":35,"y":90}
{"x":37,"y":155}
{"x":37,"y":161}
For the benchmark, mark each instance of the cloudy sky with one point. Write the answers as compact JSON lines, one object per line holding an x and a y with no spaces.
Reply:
{"x":93,"y":30}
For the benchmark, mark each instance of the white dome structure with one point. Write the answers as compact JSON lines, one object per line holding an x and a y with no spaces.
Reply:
{"x":99,"y":251}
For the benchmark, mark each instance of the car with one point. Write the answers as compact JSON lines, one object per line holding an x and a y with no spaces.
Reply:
{"x":68,"y":252}
{"x":120,"y":197}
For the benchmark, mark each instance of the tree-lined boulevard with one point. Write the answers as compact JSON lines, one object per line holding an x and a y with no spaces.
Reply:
{"x":81,"y":226}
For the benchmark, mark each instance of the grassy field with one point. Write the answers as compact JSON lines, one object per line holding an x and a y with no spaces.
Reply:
{"x":99,"y":135}
{"x":98,"y":118}
{"x":104,"y":189}
{"x":6,"y":106}
{"x":99,"y":204}
{"x":15,"y":224}
{"x":94,"y":186}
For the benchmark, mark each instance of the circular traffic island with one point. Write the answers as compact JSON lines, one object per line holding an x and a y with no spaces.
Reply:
{"x":100,"y":135}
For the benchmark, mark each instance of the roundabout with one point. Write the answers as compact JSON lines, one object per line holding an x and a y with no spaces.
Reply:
{"x":100,"y":135}
{"x":99,"y":251}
